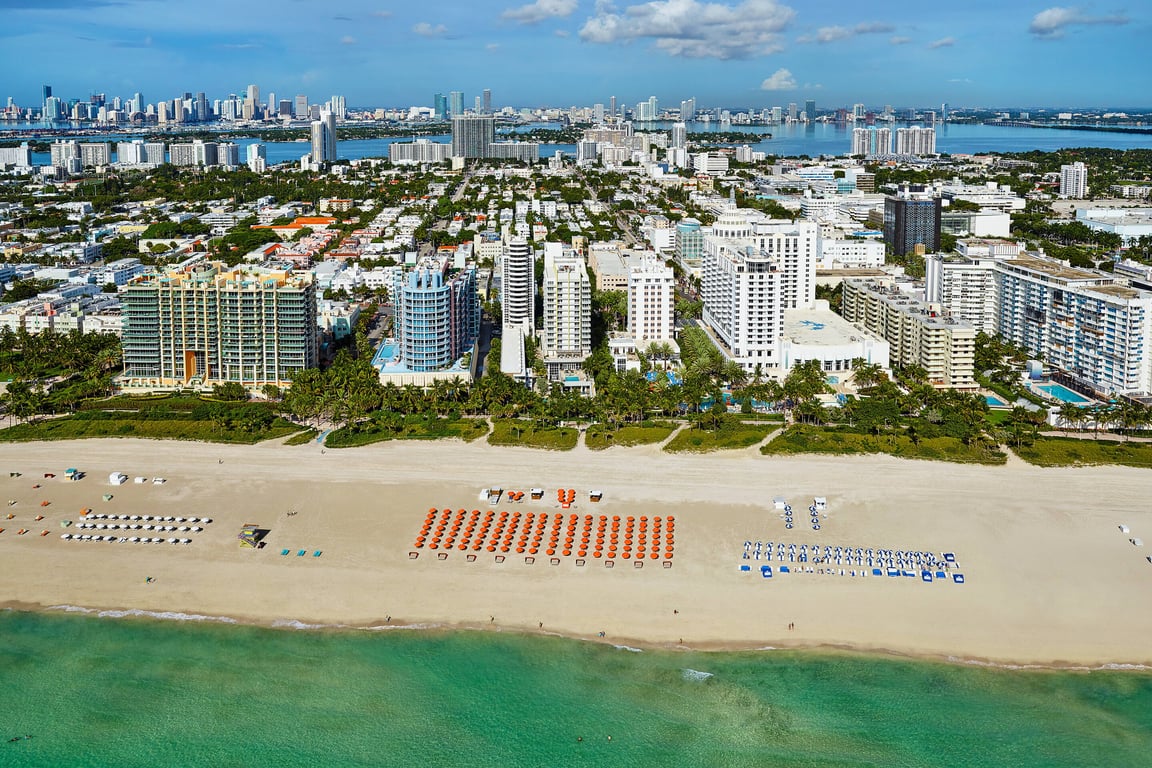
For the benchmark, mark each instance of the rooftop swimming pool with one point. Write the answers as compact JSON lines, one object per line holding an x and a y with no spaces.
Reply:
{"x":1061,"y":393}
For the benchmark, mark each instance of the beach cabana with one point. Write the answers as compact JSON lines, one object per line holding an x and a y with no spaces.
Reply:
{"x":117,"y":478}
{"x":779,"y":503}
{"x":820,"y":503}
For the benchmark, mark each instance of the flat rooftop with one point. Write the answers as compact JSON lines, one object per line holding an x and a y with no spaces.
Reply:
{"x":820,"y":327}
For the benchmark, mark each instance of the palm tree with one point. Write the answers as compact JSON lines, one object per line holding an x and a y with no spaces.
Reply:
{"x":1070,"y":414}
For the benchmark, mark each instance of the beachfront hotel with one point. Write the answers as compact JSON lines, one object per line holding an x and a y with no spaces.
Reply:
{"x":437,"y":315}
{"x":753,"y":270}
{"x":566,"y":338}
{"x":917,"y":333}
{"x":1094,"y":327}
{"x":207,"y":324}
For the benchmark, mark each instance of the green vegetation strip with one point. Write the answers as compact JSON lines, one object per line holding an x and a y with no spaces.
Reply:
{"x":730,"y":435}
{"x":1070,"y":452}
{"x":601,"y":436}
{"x":302,"y":438}
{"x":391,"y":427}
{"x":809,"y":439}
{"x":175,"y":428}
{"x":532,"y":435}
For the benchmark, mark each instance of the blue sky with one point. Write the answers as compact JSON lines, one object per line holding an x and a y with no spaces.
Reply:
{"x":753,"y":53}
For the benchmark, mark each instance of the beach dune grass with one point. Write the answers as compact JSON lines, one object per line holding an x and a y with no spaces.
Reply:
{"x":170,"y":426}
{"x":303,"y":437}
{"x":406,"y":428}
{"x":532,"y":434}
{"x":805,"y":438}
{"x":1070,"y":452}
{"x":730,"y":435}
{"x":601,"y":436}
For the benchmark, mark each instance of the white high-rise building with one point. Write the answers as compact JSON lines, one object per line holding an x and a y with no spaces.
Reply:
{"x":679,"y":135}
{"x":587,"y":152}
{"x":257,"y":158}
{"x":93,"y":154}
{"x":154,"y":152}
{"x":130,"y":152}
{"x":324,"y":139}
{"x":566,"y":340}
{"x":518,"y":285}
{"x":1074,"y":180}
{"x":228,"y":155}
{"x":753,"y":269}
{"x":300,"y":106}
{"x":916,"y":140}
{"x":64,"y":151}
{"x":651,"y":301}
{"x":871,"y":142}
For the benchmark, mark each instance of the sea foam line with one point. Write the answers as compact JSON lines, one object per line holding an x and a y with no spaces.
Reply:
{"x":137,"y":612}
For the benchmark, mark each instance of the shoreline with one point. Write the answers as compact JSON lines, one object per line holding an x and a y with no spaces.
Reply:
{"x":625,"y":644}
{"x":1052,"y":583}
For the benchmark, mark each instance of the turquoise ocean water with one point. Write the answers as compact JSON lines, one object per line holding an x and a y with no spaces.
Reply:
{"x":138,"y":692}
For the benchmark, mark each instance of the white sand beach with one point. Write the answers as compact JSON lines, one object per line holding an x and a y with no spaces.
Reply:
{"x":1049,"y":577}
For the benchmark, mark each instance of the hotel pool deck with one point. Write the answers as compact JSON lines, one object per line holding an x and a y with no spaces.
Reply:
{"x":1061,"y":393}
{"x":995,"y":401}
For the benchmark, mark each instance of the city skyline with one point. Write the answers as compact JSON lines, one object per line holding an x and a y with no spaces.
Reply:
{"x":561,"y":52}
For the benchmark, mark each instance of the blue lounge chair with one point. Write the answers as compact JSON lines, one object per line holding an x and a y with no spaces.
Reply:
{"x":317,"y":553}
{"x":893,"y":573}
{"x":877,"y":572}
{"x":745,"y":568}
{"x":284,"y":551}
{"x":926,"y":576}
{"x":940,"y":576}
{"x":766,"y":571}
{"x":301,"y":553}
{"x":958,"y":578}
{"x":785,"y":569}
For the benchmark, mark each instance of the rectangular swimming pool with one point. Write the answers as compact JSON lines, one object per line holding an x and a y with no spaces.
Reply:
{"x":1062,"y":393}
{"x":995,"y":401}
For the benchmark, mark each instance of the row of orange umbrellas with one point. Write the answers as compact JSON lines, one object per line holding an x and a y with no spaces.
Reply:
{"x":443,"y":530}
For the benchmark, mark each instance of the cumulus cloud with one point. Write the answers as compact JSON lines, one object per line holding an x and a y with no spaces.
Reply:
{"x":944,"y":42}
{"x":781,"y":80}
{"x":832,"y":34}
{"x":1051,"y":23}
{"x":694,"y":29}
{"x":534,"y":13}
{"x":424,"y":29}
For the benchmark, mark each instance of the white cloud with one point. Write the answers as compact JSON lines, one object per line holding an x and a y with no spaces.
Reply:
{"x":492,"y":47}
{"x":959,"y":80}
{"x":694,"y":29}
{"x":562,"y":33}
{"x":424,"y":29}
{"x":781,"y":80}
{"x":382,"y":14}
{"x":944,"y":42}
{"x":538,"y":11}
{"x":834,"y":33}
{"x":347,"y":40}
{"x":1051,"y":23}
{"x":899,"y":40}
